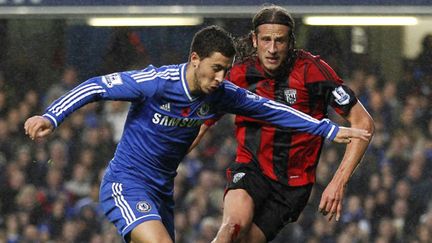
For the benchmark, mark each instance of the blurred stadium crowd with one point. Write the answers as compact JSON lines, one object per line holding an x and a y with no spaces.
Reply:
{"x":49,"y":188}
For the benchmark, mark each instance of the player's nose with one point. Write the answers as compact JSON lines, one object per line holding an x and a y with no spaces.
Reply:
{"x":272,"y":47}
{"x":220,"y":77}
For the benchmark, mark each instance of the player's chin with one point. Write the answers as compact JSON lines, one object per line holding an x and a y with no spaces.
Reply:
{"x":273,"y":67}
{"x":210,"y":90}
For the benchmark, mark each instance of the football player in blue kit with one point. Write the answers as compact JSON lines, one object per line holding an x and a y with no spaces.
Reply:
{"x":169,"y":104}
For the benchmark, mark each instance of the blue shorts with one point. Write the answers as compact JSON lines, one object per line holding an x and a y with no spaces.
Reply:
{"x":127,"y":205}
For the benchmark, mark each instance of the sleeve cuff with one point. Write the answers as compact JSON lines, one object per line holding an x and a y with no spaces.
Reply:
{"x":51,"y":119}
{"x":334,"y":129}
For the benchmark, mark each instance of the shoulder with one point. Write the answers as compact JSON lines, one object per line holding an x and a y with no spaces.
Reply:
{"x":245,"y":72}
{"x":249,"y":62}
{"x":315,"y":68}
{"x":152,"y":80}
{"x":240,"y":68}
{"x":227,"y":85}
{"x":230,"y":89}
{"x":305,"y":57}
{"x":167,"y":72}
{"x":226,"y":88}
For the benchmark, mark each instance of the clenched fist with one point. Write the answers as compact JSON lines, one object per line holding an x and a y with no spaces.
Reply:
{"x":38,"y":127}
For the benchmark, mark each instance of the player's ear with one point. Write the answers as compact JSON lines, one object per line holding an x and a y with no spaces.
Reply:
{"x":195,"y":59}
{"x":254,"y":39}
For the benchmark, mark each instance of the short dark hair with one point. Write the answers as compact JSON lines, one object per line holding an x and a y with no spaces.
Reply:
{"x":212,"y":39}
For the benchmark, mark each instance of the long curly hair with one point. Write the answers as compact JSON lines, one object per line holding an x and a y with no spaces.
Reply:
{"x":271,"y":14}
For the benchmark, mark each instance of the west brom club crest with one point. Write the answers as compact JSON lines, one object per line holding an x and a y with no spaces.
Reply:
{"x":290,"y":96}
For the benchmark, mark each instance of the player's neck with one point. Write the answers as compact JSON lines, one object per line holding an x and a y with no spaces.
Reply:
{"x":190,"y":79}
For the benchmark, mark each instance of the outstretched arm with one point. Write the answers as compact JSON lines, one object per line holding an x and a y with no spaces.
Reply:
{"x":332,"y":197}
{"x":344,"y":135}
{"x":243,"y":102}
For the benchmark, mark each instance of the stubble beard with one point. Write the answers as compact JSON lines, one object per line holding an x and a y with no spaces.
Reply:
{"x":197,"y":88}
{"x":281,"y":69}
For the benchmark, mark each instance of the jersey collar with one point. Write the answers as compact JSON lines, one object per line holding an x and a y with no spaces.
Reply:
{"x":184,"y":82}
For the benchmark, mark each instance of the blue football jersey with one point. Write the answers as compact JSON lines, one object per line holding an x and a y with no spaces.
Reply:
{"x":165,"y":118}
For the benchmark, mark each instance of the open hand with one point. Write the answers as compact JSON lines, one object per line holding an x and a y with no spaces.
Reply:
{"x":331,"y":201}
{"x":345,"y":135}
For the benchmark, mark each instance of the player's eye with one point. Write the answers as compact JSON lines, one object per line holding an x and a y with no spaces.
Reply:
{"x":217,"y":68}
{"x":282,"y":40}
{"x":265,"y":38}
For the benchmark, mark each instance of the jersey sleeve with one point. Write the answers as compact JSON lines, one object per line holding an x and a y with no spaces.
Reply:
{"x":339,"y":96}
{"x":243,"y":102}
{"x":123,"y":86}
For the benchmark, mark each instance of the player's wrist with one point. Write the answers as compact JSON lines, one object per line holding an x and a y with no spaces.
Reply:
{"x":51,"y":120}
{"x":340,"y":178}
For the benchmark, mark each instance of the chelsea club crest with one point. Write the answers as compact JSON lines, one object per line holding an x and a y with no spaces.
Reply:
{"x":143,"y":207}
{"x":290,"y":96}
{"x":203,"y":110}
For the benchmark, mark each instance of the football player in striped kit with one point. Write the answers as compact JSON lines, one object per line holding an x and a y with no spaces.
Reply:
{"x":270,"y":181}
{"x":169,"y":104}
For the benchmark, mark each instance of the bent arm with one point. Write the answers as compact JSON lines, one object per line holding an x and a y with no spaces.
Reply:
{"x":87,"y":92}
{"x":115,"y":86}
{"x":359,"y":118}
{"x":332,"y":198}
{"x":41,"y":126}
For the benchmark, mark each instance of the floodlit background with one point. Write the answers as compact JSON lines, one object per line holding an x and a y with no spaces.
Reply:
{"x":49,"y":193}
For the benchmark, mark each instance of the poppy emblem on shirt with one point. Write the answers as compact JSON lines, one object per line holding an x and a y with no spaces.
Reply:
{"x":290,"y":96}
{"x":143,"y":207}
{"x":185,"y":111}
{"x":238,"y":176}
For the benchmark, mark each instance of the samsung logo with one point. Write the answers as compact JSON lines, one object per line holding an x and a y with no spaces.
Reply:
{"x":168,"y":121}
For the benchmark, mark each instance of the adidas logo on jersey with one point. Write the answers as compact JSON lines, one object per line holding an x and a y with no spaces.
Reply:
{"x":166,"y":107}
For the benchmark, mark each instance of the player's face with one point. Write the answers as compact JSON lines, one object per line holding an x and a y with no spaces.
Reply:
{"x":209,"y":72}
{"x":272,"y":43}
